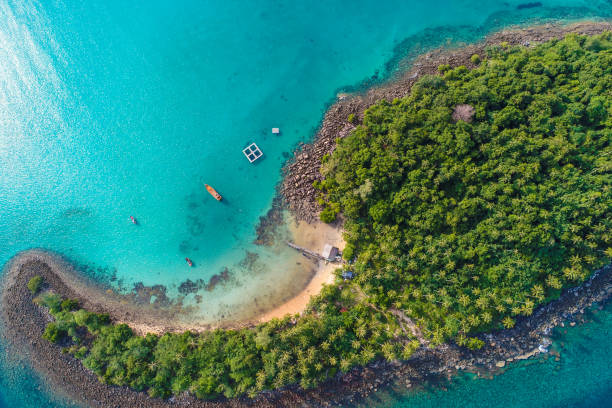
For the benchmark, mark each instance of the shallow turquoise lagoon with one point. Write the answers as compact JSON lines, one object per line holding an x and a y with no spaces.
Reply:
{"x":110,"y":109}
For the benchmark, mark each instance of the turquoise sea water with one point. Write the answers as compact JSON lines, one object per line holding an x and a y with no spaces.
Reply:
{"x":110,"y":109}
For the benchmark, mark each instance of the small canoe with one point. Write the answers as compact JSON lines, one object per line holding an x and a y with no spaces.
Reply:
{"x":133,"y":220}
{"x":189,"y":261}
{"x":213,"y":192}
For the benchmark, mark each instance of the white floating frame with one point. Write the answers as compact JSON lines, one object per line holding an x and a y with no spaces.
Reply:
{"x":252,"y":152}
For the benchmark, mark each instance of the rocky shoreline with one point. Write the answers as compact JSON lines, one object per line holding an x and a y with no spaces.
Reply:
{"x":303,"y":169}
{"x":23,"y":322}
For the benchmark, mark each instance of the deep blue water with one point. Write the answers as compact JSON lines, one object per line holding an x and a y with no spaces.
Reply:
{"x":110,"y":109}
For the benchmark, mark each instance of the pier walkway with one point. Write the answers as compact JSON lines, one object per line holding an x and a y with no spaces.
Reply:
{"x":309,"y":253}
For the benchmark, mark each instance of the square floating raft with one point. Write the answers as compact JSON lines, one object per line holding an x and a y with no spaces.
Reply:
{"x":252,"y":152}
{"x":275,"y":131}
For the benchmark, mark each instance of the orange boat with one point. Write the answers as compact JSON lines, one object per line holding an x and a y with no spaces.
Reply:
{"x":213,"y":192}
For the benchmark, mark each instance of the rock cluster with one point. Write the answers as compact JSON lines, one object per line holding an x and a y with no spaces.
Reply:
{"x":300,"y":173}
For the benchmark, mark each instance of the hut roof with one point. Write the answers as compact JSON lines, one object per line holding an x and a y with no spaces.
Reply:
{"x":329,"y":252}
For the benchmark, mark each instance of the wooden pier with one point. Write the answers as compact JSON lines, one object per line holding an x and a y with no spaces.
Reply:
{"x":305,"y":251}
{"x":308,"y":253}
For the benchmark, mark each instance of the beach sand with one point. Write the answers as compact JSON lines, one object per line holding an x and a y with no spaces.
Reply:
{"x":314,"y":237}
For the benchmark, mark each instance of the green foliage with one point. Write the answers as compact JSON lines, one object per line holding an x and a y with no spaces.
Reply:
{"x":51,"y":301}
{"x":80,"y":352}
{"x":351,"y":118}
{"x":92,"y":321}
{"x":475,"y":59}
{"x":443,"y":68}
{"x":467,"y":225}
{"x":235,"y":362}
{"x":35,"y":284}
{"x":349,"y":252}
{"x":69,"y":305}
{"x":328,"y":215}
{"x":474,"y":343}
{"x":54,"y":333}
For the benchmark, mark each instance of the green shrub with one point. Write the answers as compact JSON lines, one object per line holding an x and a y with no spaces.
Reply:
{"x":69,"y":305}
{"x":51,"y":301}
{"x":443,"y":68}
{"x":93,"y":321}
{"x":35,"y":284}
{"x":349,"y":252}
{"x":474,"y":343}
{"x":78,"y":351}
{"x":351,"y":118}
{"x":427,"y":83}
{"x":455,"y":73}
{"x":475,"y":59}
{"x":53,"y":333}
{"x":328,"y":215}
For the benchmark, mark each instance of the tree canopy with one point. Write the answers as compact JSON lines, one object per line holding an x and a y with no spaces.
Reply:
{"x":468,"y":225}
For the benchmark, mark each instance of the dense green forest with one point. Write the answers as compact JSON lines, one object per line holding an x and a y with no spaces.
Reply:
{"x":466,"y":204}
{"x":336,"y":333}
{"x":464,"y":224}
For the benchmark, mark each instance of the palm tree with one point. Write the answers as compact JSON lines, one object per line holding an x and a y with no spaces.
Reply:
{"x":482,"y":302}
{"x":537,"y":291}
{"x":388,"y":351}
{"x":345,"y":364}
{"x":527,"y":308}
{"x":464,"y":300}
{"x":508,"y":322}
{"x":437,"y":336}
{"x":486,"y":317}
{"x":553,"y":282}
{"x":571,"y":273}
{"x":474,"y":320}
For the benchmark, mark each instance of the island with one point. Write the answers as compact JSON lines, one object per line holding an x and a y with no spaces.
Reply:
{"x":476,"y":208}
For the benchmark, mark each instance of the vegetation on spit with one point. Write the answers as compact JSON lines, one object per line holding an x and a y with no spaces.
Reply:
{"x":35,"y":284}
{"x":336,"y":333}
{"x":458,"y":225}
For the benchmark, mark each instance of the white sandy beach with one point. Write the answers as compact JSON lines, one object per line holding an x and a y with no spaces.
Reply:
{"x":313,"y":236}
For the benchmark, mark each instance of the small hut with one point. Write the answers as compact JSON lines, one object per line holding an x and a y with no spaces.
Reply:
{"x":330,"y":252}
{"x":347,"y":275}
